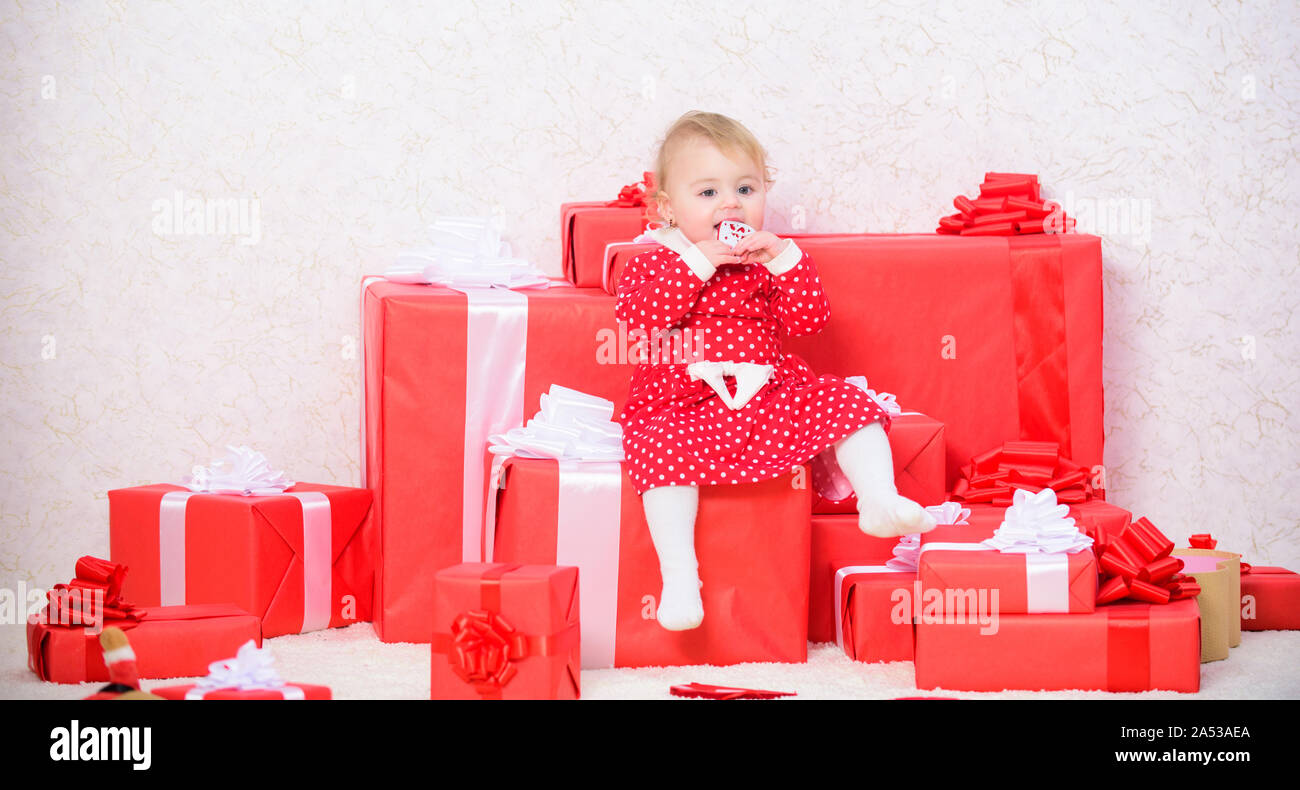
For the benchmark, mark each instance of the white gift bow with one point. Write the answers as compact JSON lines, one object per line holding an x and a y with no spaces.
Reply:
{"x":466,"y":252}
{"x":887,"y":400}
{"x":907,"y":552}
{"x":242,"y":470}
{"x":571,"y":425}
{"x":250,"y":670}
{"x":1036,"y":524}
{"x":750,"y":378}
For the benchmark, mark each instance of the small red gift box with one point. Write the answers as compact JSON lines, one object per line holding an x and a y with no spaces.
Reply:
{"x":587,"y":228}
{"x":1270,"y":599}
{"x":1118,"y":647}
{"x":168,"y":641}
{"x":874,"y":603}
{"x":506,"y":631}
{"x":301,"y":561}
{"x":916,"y":444}
{"x":446,"y":369}
{"x":836,"y":542}
{"x":289,"y":691}
{"x":751,"y":541}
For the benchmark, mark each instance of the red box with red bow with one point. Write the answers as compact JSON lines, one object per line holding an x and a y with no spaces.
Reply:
{"x":301,"y":561}
{"x":445,"y":370}
{"x":751,"y":542}
{"x":168,"y":641}
{"x":506,"y":631}
{"x":1008,"y":348}
{"x":588,"y":228}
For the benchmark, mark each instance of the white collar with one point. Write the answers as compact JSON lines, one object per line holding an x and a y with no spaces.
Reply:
{"x":672,"y":238}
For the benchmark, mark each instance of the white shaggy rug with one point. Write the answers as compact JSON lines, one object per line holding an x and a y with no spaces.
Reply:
{"x":356,"y":665}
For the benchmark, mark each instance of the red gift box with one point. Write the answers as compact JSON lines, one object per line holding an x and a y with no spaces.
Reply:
{"x":836,"y":542}
{"x":587,"y":229}
{"x":1118,"y":647}
{"x":1270,"y":599}
{"x":300,"y":561}
{"x":917,"y":446}
{"x":506,"y":631}
{"x":290,"y":691}
{"x":168,"y":641}
{"x":428,"y":414}
{"x":875,"y":610}
{"x":752,"y":543}
{"x":1007,"y":348}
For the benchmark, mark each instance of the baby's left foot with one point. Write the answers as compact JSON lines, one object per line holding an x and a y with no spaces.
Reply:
{"x":888,"y":515}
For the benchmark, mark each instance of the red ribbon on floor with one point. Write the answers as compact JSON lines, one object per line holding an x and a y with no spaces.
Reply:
{"x":1009,"y":205}
{"x":1135,"y":564}
{"x":995,"y":475}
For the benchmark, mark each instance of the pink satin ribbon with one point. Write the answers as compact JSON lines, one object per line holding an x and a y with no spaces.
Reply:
{"x":842,"y":577}
{"x":589,"y":511}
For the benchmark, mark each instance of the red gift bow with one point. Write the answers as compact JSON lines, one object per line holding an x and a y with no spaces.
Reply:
{"x":1135,"y":563}
{"x":633,"y":195}
{"x":724,"y":692}
{"x":995,"y":475}
{"x":1202,"y":540}
{"x":1009,"y":204}
{"x":74,"y":604}
{"x":483,"y":645}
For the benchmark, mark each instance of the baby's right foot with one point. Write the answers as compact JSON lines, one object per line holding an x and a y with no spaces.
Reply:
{"x":890,"y":515}
{"x":680,"y":607}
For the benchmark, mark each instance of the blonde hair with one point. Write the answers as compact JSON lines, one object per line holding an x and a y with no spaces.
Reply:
{"x":730,"y":136}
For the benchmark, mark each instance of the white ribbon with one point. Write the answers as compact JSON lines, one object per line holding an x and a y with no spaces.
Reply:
{"x":171,"y":547}
{"x":466,"y":252}
{"x":250,"y":670}
{"x":750,"y":378}
{"x":1036,"y":524}
{"x":571,"y":425}
{"x":840,"y":576}
{"x":887,"y":400}
{"x":242,"y":470}
{"x":588,"y":536}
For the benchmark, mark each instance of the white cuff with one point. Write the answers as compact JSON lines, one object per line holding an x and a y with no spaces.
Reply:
{"x":123,"y":653}
{"x":786,"y":260}
{"x":698,"y":263}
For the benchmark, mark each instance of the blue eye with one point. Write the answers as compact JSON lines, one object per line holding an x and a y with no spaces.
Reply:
{"x":707,"y":193}
{"x":750,"y":192}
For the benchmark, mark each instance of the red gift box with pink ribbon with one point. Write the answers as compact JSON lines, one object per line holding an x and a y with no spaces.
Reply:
{"x":444,"y":370}
{"x":589,"y":228}
{"x":506,"y":631}
{"x":301,"y":560}
{"x":168,"y":641}
{"x":751,"y":542}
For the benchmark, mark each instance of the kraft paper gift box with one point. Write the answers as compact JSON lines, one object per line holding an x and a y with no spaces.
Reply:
{"x":917,"y":446}
{"x":873,"y":603}
{"x":169,"y":642}
{"x":506,"y":631}
{"x":1118,"y":647}
{"x":752,"y":543}
{"x":1219,"y":575}
{"x":301,"y":560}
{"x":1270,"y":599}
{"x":997,"y":337}
{"x":837,"y":542}
{"x":587,"y":229}
{"x":444,"y":369}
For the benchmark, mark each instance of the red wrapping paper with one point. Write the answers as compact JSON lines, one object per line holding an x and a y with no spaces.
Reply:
{"x":169,"y":641}
{"x":1270,"y":599}
{"x":917,"y":446}
{"x":248,"y":551}
{"x":536,"y":606}
{"x":1006,"y":573}
{"x":415,"y":380}
{"x":752,"y":543}
{"x":836,"y":542}
{"x":1008,"y":349}
{"x":1122,"y":647}
{"x":587,"y":228}
{"x":1009,"y":203}
{"x":869,"y":603}
{"x":309,"y":692}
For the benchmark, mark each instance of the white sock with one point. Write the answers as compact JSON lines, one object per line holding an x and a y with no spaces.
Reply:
{"x":670,"y":512}
{"x":865,"y":458}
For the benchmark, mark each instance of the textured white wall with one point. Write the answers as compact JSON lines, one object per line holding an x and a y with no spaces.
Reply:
{"x":131,"y":352}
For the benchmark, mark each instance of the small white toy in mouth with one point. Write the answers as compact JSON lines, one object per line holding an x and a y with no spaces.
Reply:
{"x":730,"y":231}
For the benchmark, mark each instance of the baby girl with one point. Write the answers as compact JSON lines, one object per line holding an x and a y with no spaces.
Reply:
{"x":683,"y":427}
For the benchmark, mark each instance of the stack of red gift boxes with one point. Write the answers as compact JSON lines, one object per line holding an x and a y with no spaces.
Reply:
{"x":520,"y":571}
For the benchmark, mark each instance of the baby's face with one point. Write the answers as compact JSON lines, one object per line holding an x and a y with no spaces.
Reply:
{"x":706,"y":187}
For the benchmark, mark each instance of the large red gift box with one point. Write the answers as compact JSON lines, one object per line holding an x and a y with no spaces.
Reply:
{"x":917,"y":446}
{"x":168,"y":641}
{"x":587,"y":229}
{"x":998,"y":337}
{"x":837,"y":542}
{"x":1118,"y":647}
{"x":290,"y":691}
{"x":751,"y":541}
{"x":874,"y":604}
{"x":301,"y":560}
{"x":1270,"y":599}
{"x":443,"y":371}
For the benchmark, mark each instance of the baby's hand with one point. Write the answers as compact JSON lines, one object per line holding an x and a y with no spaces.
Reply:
{"x":759,"y":247}
{"x":718,"y":253}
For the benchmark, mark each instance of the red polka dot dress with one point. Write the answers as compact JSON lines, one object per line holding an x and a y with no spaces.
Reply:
{"x":677,"y":428}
